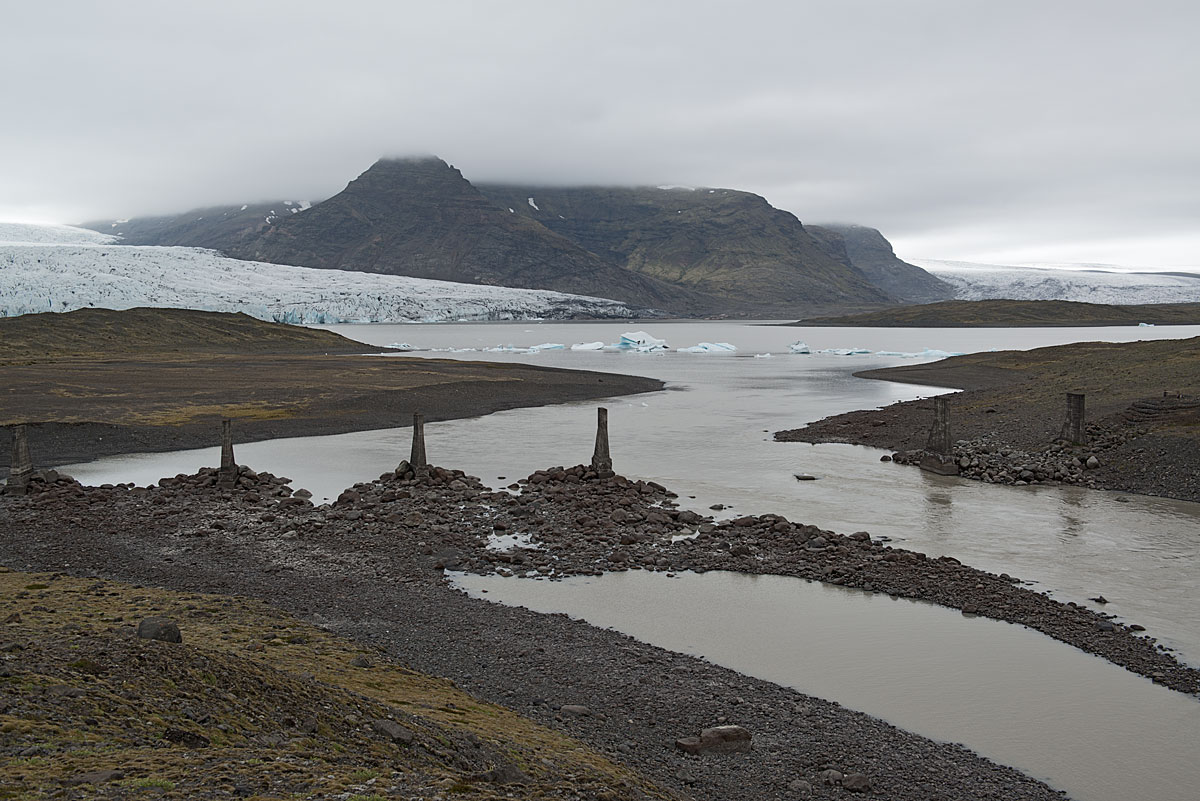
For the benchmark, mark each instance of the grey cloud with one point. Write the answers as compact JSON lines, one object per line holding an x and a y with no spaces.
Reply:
{"x":975,"y":126}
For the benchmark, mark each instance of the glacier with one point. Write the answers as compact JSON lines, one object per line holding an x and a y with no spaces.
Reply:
{"x":1086,"y":283}
{"x":60,"y":268}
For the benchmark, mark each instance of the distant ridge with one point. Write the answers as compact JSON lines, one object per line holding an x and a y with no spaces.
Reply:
{"x":726,"y":243}
{"x":1015,"y":314}
{"x":866,"y":250}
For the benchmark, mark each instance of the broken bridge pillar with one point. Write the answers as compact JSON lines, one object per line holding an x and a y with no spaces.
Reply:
{"x":939,"y":447}
{"x":21,"y":471}
{"x":416,"y":459}
{"x":1073,"y":429}
{"x":601,"y":460}
{"x":228,"y":472}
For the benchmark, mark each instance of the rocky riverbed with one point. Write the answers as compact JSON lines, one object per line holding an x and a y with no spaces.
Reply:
{"x":1007,"y":425}
{"x":372,"y":565}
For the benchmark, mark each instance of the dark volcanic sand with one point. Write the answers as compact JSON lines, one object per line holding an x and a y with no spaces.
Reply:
{"x":1015,"y":400}
{"x":371,"y":567}
{"x":82,"y":410}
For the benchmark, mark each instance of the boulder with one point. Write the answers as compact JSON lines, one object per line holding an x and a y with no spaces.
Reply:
{"x":392,"y":731}
{"x":159,"y":628}
{"x":717,"y":740}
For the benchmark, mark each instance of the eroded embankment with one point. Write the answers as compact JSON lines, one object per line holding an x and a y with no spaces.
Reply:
{"x":371,"y":566}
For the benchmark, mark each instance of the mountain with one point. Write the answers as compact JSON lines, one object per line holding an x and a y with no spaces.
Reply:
{"x":693,"y":252}
{"x":421,"y":218}
{"x":57,"y":269}
{"x":215,"y":227}
{"x":866,"y":250}
{"x":1087,"y":283}
{"x":728,"y":244}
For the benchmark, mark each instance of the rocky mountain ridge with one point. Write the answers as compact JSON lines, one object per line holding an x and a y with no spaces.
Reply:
{"x":692,"y":252}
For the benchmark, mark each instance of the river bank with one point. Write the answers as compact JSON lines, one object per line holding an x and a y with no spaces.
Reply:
{"x":371,"y":567}
{"x":1143,"y":418}
{"x":97,"y":382}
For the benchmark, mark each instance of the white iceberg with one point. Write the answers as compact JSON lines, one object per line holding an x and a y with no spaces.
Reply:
{"x":709,"y":347}
{"x":400,"y":346}
{"x":547,"y":346}
{"x":798,"y":347}
{"x":641,"y":342}
{"x":764,"y":355}
{"x":844,"y":351}
{"x":928,"y":353}
{"x":588,"y":346}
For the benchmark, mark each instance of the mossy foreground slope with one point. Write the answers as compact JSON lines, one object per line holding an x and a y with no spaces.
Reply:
{"x":252,"y":703}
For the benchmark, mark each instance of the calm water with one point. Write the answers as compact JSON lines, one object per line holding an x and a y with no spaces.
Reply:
{"x":1068,"y":717}
{"x":1010,"y":693}
{"x":708,"y":436}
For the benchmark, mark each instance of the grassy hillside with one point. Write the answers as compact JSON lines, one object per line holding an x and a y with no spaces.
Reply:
{"x":117,"y":333}
{"x":252,"y":702}
{"x":1015,"y":313}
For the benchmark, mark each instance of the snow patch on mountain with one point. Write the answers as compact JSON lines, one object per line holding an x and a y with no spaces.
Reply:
{"x":40,"y":277}
{"x":1086,"y":283}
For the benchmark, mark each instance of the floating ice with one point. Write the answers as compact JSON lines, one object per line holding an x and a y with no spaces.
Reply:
{"x":547,"y":346}
{"x":400,"y":346}
{"x":764,"y":355}
{"x":798,"y":347}
{"x":1145,"y":325}
{"x":588,"y":346}
{"x":928,"y":353}
{"x":844,"y":351}
{"x":709,"y":347}
{"x":641,"y":342}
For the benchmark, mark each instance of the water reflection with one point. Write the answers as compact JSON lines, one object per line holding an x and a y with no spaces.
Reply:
{"x":704,"y":437}
{"x":1007,"y":692}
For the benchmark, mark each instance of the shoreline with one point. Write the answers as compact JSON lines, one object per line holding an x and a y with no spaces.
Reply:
{"x":371,"y":567}
{"x":1006,"y":420}
{"x":459,"y":389}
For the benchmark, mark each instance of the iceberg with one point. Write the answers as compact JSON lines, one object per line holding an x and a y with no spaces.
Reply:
{"x":764,"y":355}
{"x":928,"y":353}
{"x":798,"y":347}
{"x":546,"y":346}
{"x":709,"y":347}
{"x":400,"y":346}
{"x":588,"y":346}
{"x":641,"y":342}
{"x":844,"y":351}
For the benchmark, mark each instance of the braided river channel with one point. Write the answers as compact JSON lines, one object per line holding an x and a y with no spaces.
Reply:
{"x":1011,"y":694}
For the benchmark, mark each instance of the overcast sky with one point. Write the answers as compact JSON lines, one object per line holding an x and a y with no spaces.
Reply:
{"x":1029,"y":131}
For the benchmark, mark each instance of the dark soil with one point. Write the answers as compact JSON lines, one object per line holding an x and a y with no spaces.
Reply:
{"x":371,"y":566}
{"x":1015,"y":313}
{"x":81,"y":410}
{"x":1014,"y":401}
{"x":96,"y":382}
{"x":251,"y":702}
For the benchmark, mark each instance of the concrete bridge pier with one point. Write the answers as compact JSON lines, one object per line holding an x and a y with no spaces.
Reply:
{"x":939,"y":447}
{"x":22,"y":467}
{"x":601,"y":459}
